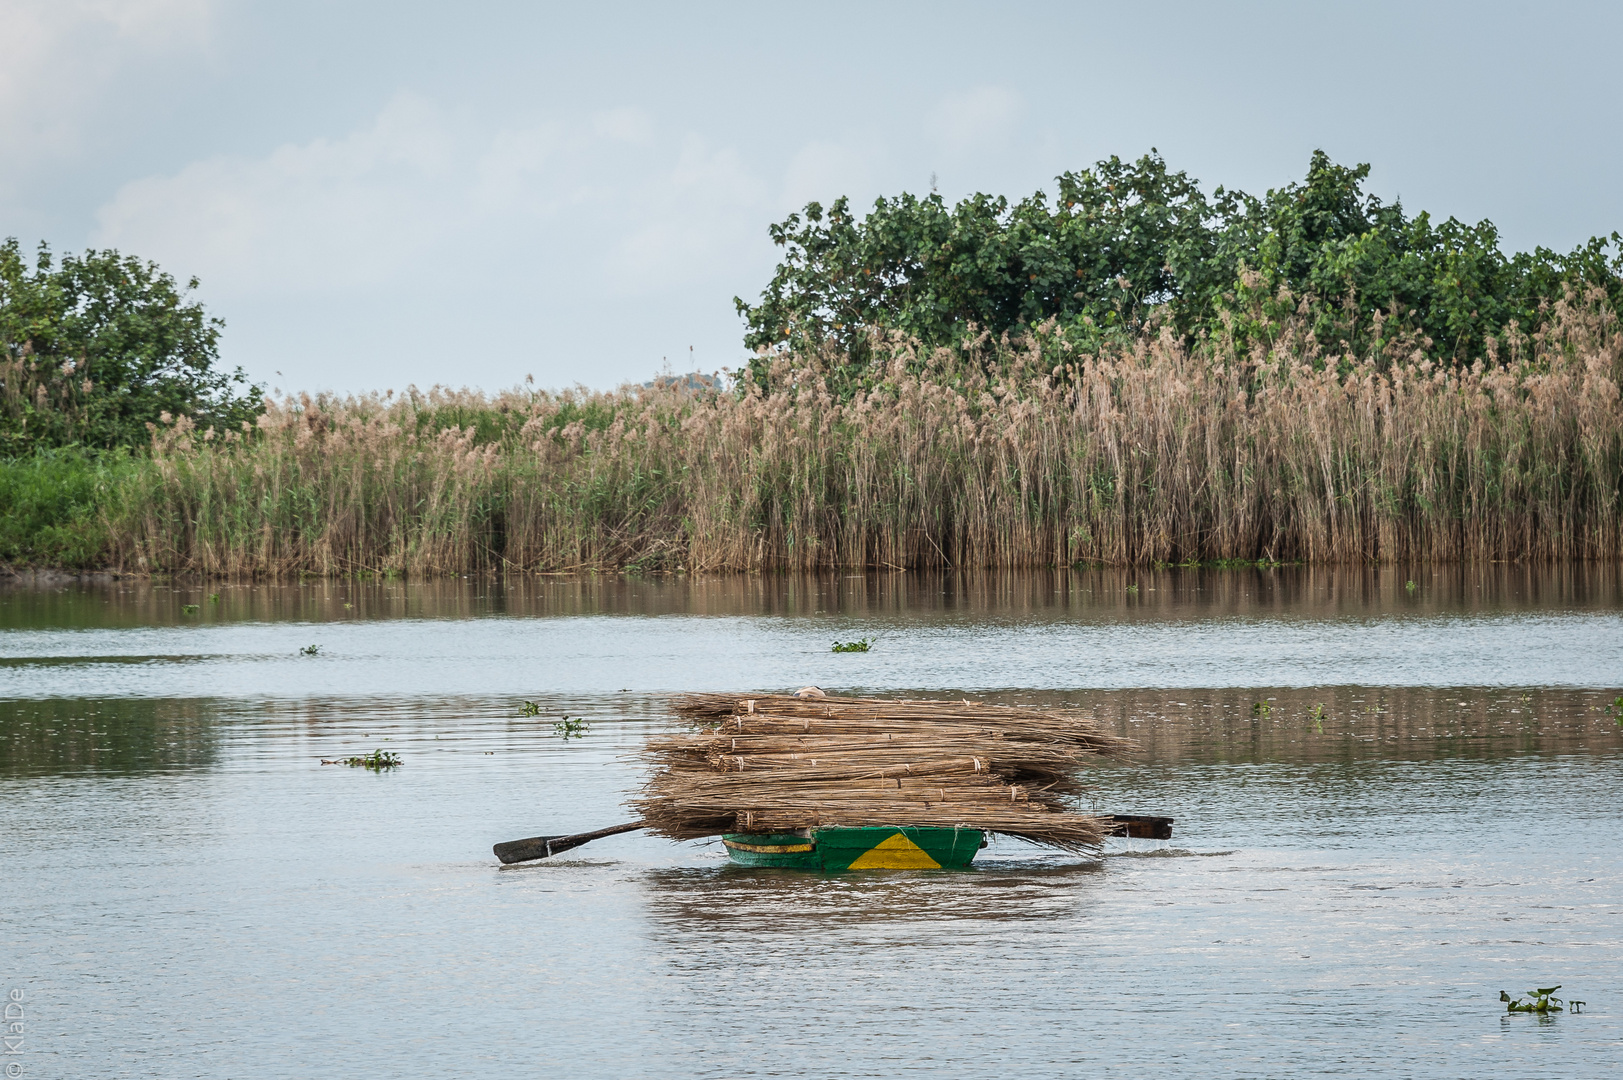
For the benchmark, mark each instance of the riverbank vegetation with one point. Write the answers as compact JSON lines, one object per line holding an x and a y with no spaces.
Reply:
{"x":996,"y":452}
{"x":1128,"y":245}
{"x":1308,"y":376}
{"x":93,"y":348}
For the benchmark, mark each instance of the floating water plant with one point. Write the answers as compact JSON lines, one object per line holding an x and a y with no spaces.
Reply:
{"x":189,"y":609}
{"x":1261,"y":710}
{"x":1316,"y":714}
{"x":1616,"y":709}
{"x":860,"y":645}
{"x":214,"y":598}
{"x":567,"y":729}
{"x":1132,"y":590}
{"x":531,"y":708}
{"x":376,"y":761}
{"x":310,"y":650}
{"x":1411,"y":586}
{"x":1541,"y":1001}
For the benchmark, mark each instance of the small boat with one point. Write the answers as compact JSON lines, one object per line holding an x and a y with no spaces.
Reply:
{"x":881,"y":847}
{"x":893,"y":847}
{"x":906,"y":847}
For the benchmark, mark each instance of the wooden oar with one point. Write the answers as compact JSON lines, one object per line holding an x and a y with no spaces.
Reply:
{"x":544,"y":847}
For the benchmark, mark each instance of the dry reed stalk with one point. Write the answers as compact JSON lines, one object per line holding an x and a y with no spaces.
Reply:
{"x":991,"y":455}
{"x":769,"y":714}
{"x":774,"y":763}
{"x":847,"y":766}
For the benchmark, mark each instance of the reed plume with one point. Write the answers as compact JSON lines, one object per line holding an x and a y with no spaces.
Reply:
{"x":998,"y":453}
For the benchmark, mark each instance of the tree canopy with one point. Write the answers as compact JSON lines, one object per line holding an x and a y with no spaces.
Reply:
{"x":95,"y":347}
{"x":1127,"y":242}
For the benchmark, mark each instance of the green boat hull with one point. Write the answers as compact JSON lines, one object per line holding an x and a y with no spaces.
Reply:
{"x":907,"y":847}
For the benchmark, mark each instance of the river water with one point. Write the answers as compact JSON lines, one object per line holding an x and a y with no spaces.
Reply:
{"x":1397,"y":793}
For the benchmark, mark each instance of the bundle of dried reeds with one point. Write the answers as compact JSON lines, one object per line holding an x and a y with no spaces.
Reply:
{"x":776,"y":763}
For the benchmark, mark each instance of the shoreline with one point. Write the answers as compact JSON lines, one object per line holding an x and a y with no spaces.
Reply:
{"x":994,"y":455}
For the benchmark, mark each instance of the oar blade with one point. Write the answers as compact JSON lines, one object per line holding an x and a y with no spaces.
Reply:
{"x":535,"y":847}
{"x":544,"y":847}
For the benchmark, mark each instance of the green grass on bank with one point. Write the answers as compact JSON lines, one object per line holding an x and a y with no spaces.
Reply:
{"x":52,"y":506}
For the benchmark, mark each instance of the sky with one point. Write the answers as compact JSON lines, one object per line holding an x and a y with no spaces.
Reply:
{"x":381,"y":194}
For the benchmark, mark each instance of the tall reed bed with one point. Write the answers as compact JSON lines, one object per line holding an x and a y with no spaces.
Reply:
{"x":988,"y":455}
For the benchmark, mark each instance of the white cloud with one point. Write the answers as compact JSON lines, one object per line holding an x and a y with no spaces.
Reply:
{"x":823,"y":171}
{"x":625,"y":125}
{"x":321,"y":215}
{"x":156,"y":21}
{"x":418,"y":195}
{"x":695,"y":213}
{"x":63,"y":56}
{"x":978,"y":119}
{"x":514,"y":164}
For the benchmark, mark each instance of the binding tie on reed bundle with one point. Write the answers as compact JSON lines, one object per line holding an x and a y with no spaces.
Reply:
{"x":789,"y":763}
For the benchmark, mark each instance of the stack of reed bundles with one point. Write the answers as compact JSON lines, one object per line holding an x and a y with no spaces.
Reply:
{"x":780,"y":763}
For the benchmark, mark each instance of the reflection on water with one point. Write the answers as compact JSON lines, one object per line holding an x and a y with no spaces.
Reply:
{"x":1352,"y":723}
{"x":1502,"y":627}
{"x":1330,"y":725}
{"x":1098,"y":594}
{"x":105,"y":736}
{"x":1390,"y":803}
{"x":736,"y":900}
{"x":1320,"y":725}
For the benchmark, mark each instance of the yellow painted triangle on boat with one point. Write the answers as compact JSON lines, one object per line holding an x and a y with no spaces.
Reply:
{"x":895,"y":853}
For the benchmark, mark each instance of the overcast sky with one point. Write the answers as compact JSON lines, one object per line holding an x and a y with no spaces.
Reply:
{"x":377,"y":194}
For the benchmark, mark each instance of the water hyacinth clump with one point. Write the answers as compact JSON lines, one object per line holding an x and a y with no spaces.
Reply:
{"x":571,"y":728}
{"x":997,"y":453}
{"x":1541,"y":1001}
{"x":376,"y":761}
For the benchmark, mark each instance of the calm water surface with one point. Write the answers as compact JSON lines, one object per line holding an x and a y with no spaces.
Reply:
{"x":185,"y":890}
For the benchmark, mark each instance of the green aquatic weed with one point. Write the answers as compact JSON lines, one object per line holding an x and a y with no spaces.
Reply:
{"x":567,"y":729}
{"x":1261,"y":710}
{"x":1316,"y":714}
{"x":860,"y":645}
{"x":310,"y":650}
{"x":531,"y":708}
{"x":1542,"y":1001}
{"x":188,"y":609}
{"x":376,"y":761}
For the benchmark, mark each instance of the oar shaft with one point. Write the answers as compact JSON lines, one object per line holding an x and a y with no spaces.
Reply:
{"x":544,"y":847}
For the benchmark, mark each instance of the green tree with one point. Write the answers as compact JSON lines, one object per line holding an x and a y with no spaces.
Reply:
{"x":1120,"y":240}
{"x":94,"y":348}
{"x":1128,"y":242}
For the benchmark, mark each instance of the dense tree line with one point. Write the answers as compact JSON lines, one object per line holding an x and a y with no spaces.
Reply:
{"x":1128,"y":243}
